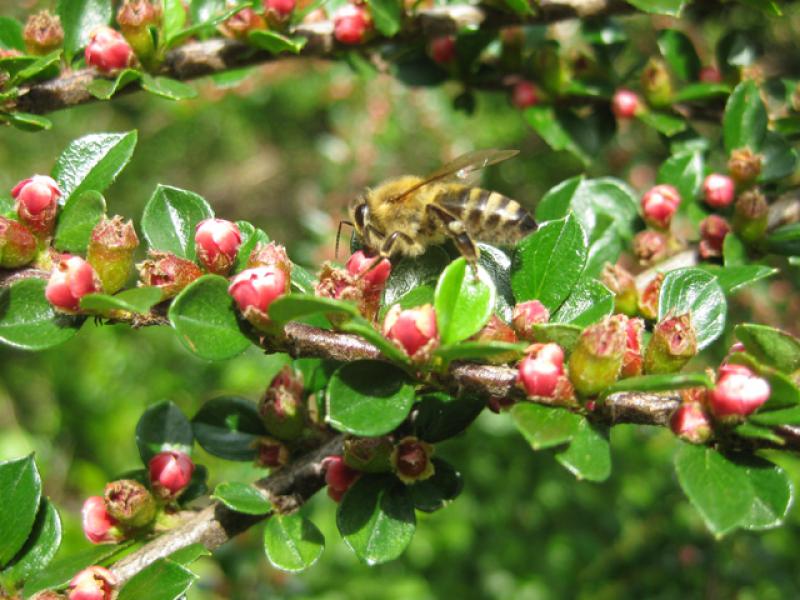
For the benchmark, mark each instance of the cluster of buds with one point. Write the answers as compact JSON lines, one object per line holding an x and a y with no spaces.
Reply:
{"x":672,"y":345}
{"x":411,"y":460}
{"x":338,"y":476}
{"x":266,"y":279}
{"x":659,"y":204}
{"x":413,"y":330}
{"x":282,"y":408}
{"x":526,"y":316}
{"x":541,"y":373}
{"x":625,"y":104}
{"x":108,"y":51}
{"x":352,"y":24}
{"x":525,"y":94}
{"x":43,"y":33}
{"x":137,"y":19}
{"x":361,"y":282}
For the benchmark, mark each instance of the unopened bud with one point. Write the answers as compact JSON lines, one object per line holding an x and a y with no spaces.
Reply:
{"x":710,"y":74}
{"x":108,"y":51}
{"x":98,"y":526}
{"x":411,"y":460}
{"x":625,"y":104}
{"x":242,"y":23}
{"x":648,"y":300}
{"x":37,"y":204}
{"x":365,"y":267}
{"x":279,"y":11}
{"x":71,"y":279}
{"x":254,"y":290}
{"x":442,"y":49}
{"x":497,"y":330}
{"x":352,"y":24}
{"x":43,"y":33}
{"x":650,"y":246}
{"x":271,"y":453}
{"x":656,"y":83}
{"x":673,"y":344}
{"x":217,"y":241}
{"x":713,"y":230}
{"x":540,"y":371}
{"x":633,"y":359}
{"x":130,"y":503}
{"x":93,"y":583}
{"x":659,"y":204}
{"x":17,"y":244}
{"x":751,"y":216}
{"x":369,"y":455}
{"x":738,"y":393}
{"x":110,"y":252}
{"x":691,"y":423}
{"x":526,"y":316}
{"x":596,"y":361}
{"x":718,"y":190}
{"x":136,"y":18}
{"x":270,"y":255}
{"x":744,"y":166}
{"x":282,"y":408}
{"x":413,"y":330}
{"x":168,"y":272}
{"x":622,"y":284}
{"x":170,"y":473}
{"x":525,"y":94}
{"x":338,"y":476}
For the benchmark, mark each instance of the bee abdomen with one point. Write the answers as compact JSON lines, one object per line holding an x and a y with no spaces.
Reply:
{"x":490,"y":216}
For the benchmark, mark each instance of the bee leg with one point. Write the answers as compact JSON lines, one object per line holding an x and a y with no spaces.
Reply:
{"x":387,"y":248}
{"x":458,"y":233}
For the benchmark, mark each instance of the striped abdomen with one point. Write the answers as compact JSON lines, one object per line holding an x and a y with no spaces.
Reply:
{"x":487,"y":216}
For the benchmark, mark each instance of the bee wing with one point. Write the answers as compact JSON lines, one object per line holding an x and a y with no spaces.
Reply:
{"x":461,"y":167}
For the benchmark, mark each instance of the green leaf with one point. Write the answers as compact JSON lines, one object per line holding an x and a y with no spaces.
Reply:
{"x":376,"y":518}
{"x":441,"y":416}
{"x":39,"y":549}
{"x":672,"y":8}
{"x":28,"y":321}
{"x":11,"y":34}
{"x":59,"y":572}
{"x":298,"y":306}
{"x":251,"y":237}
{"x":784,"y":240}
{"x":93,"y":161}
{"x":135,"y":300}
{"x":292,"y":542}
{"x":228,"y":427}
{"x":439,"y":490}
{"x":698,"y":92}
{"x":665,"y":123}
{"x":368,"y":398}
{"x":699,"y":293}
{"x":274,"y":42}
{"x":782,"y":416}
{"x":605,"y":246}
{"x":387,"y":15}
{"x":170,"y":218}
{"x":562,"y":334}
{"x":685,"y":172}
{"x":163,"y":426}
{"x":20,"y":489}
{"x":745,"y":120}
{"x":104,"y":89}
{"x":205,"y":318}
{"x":588,"y":303}
{"x":548,"y":263}
{"x":43,"y":67}
{"x":464,"y":301}
{"x":29,"y":122}
{"x":188,"y":554}
{"x":480,"y":350}
{"x":521,"y":7}
{"x":737,"y":49}
{"x":768,"y":7}
{"x":166,"y":87}
{"x":734,"y":252}
{"x":733,"y":278}
{"x":77,"y":219}
{"x":773,"y":494}
{"x":779,"y":159}
{"x":162,"y":580}
{"x":679,"y":53}
{"x":770,"y":346}
{"x":545,"y":426}
{"x":660,"y":383}
{"x":242,"y":498}
{"x":364,"y":328}
{"x":79,"y":18}
{"x":588,"y":455}
{"x":547,"y":124}
{"x":174,"y":18}
{"x":412,"y":273}
{"x":498,"y":265}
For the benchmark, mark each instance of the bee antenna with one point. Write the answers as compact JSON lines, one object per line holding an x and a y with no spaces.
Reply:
{"x":338,"y":235}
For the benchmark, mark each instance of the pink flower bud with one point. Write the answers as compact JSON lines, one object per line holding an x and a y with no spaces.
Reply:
{"x":92,"y":583}
{"x":650,"y":246}
{"x":217,"y":242}
{"x":526,"y":315}
{"x":738,"y":392}
{"x":411,"y":460}
{"x":108,"y":50}
{"x":540,"y":371}
{"x":338,"y":476}
{"x":255,"y":289}
{"x":525,"y":94}
{"x":37,"y":204}
{"x":43,"y":33}
{"x":709,"y":74}
{"x":625,"y":104}
{"x":130,"y":503}
{"x":414,"y":330}
{"x":283,"y":8}
{"x":170,"y":473}
{"x":690,"y":423}
{"x":242,"y":23}
{"x":713,"y":230}
{"x":98,"y":526}
{"x":442,"y":49}
{"x":282,"y":408}
{"x":168,"y":272}
{"x":659,"y":204}
{"x":361,"y":265}
{"x":718,"y":190}
{"x":351,"y":24}
{"x":72,"y":278}
{"x":17,"y":244}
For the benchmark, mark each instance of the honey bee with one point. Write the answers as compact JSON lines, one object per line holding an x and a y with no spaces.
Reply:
{"x":404,"y":216}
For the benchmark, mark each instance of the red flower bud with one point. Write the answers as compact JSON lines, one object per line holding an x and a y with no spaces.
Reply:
{"x":92,"y":583}
{"x":525,"y":94}
{"x":242,"y":23}
{"x":632,"y":361}
{"x":98,"y":526}
{"x":619,"y":280}
{"x":751,"y":216}
{"x":659,"y":204}
{"x":738,"y":393}
{"x":282,"y":408}
{"x":168,"y":272}
{"x":37,"y":204}
{"x":526,"y":315}
{"x":673,"y":343}
{"x":110,"y":252}
{"x":718,"y":190}
{"x":130,"y":503}
{"x":713,"y":230}
{"x":170,"y":473}
{"x":650,"y":246}
{"x":255,"y":289}
{"x":271,"y":453}
{"x":442,"y":49}
{"x":709,"y":74}
{"x":282,"y":8}
{"x":596,"y":361}
{"x":17,"y":244}
{"x":108,"y":50}
{"x":217,"y":242}
{"x":411,"y":460}
{"x":351,"y":23}
{"x":72,"y":278}
{"x":338,"y":476}
{"x":625,"y":104}
{"x":690,"y":423}
{"x":539,"y":372}
{"x":744,"y":165}
{"x":361,"y":265}
{"x":43,"y":33}
{"x":413,"y":330}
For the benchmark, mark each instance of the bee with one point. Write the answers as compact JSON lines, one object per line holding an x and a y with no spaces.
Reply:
{"x":406,"y":215}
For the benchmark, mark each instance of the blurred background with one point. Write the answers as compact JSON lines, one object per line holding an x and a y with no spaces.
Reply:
{"x":286,"y":147}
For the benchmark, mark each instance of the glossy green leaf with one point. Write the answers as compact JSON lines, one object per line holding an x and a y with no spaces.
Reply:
{"x":441,"y":416}
{"x":548,"y":263}
{"x":39,"y":549}
{"x":79,"y":18}
{"x":387,"y":14}
{"x":93,"y":162}
{"x":368,"y":398}
{"x":292,"y":542}
{"x":188,"y":554}
{"x":104,"y":89}
{"x":77,"y":219}
{"x":521,"y":7}
{"x":737,"y":49}
{"x":228,"y":427}
{"x":588,"y":455}
{"x":605,"y":246}
{"x":20,"y":489}
{"x":545,"y":121}
{"x":412,"y":273}
{"x":163,"y":426}
{"x":773,"y":494}
{"x":663,"y":122}
{"x":59,"y":572}
{"x":464,"y":301}
{"x":497,"y":263}
{"x":27,"y":319}
{"x":779,"y":158}
{"x":135,"y":300}
{"x":480,"y":350}
{"x":251,"y":237}
{"x":297,"y":306}
{"x":755,"y":431}
{"x":29,"y":122}
{"x":699,"y":293}
{"x":680,"y":54}
{"x":174,"y":17}
{"x":685,"y":172}
{"x":733,"y":278}
{"x":162,"y":580}
{"x":170,"y":218}
{"x":197,"y":488}
{"x":376,"y":518}
{"x":205,"y":318}
{"x":439,"y":490}
{"x":784,"y":240}
{"x":770,"y":346}
{"x":672,"y":8}
{"x":563,"y":334}
{"x":745,"y":120}
{"x":166,"y":87}
{"x":588,"y":303}
{"x":274,"y":42}
{"x":11,"y":34}
{"x":661,"y":383}
{"x":242,"y":498}
{"x":782,"y":416}
{"x":698,"y":92}
{"x":544,"y":426}
{"x":42,"y":68}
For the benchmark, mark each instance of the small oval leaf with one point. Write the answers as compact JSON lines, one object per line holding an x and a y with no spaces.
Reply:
{"x":292,"y":543}
{"x":463,"y":300}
